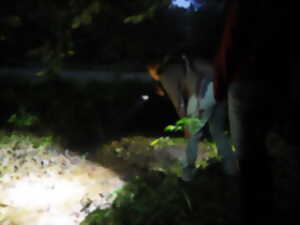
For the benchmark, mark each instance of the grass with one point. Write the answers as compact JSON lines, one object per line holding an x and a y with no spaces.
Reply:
{"x":18,"y":139}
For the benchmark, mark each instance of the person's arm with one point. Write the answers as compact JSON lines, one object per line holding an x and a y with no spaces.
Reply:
{"x":223,"y":63}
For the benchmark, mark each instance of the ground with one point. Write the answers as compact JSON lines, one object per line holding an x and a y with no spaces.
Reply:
{"x":44,"y":183}
{"x":95,"y":147}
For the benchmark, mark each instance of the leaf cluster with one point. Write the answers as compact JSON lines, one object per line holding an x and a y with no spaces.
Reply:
{"x":192,"y":123}
{"x":23,"y":119}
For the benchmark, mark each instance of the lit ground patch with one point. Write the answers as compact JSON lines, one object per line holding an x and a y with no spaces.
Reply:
{"x":158,"y":154}
{"x":57,"y":187}
{"x":51,"y":188}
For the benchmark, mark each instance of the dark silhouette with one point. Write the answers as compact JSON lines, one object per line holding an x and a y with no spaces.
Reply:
{"x":255,"y":68}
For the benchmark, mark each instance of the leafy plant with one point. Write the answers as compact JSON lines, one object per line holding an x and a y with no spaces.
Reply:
{"x":22,"y":119}
{"x":193,"y":124}
{"x":24,"y":139}
{"x":145,"y":199}
{"x":161,"y":142}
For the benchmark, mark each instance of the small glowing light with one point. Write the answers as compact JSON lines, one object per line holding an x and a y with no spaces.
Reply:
{"x":145,"y":97}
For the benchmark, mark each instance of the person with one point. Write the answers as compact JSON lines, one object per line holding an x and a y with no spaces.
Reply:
{"x":188,"y":82}
{"x":253,"y":73}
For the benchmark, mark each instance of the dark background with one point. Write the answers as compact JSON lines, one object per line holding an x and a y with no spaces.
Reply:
{"x":97,"y":34}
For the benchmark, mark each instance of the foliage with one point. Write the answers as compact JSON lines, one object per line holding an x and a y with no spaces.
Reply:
{"x":98,"y":31}
{"x":157,"y":198}
{"x":75,"y":113}
{"x":135,"y":19}
{"x":23,"y":119}
{"x":67,"y":21}
{"x":17,"y":139}
{"x":192,"y":123}
{"x":162,"y":142}
{"x":133,"y":201}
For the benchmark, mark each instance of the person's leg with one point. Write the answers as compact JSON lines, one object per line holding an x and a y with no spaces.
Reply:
{"x":205,"y":104}
{"x":250,"y":119}
{"x":189,"y":166}
{"x":217,"y":128}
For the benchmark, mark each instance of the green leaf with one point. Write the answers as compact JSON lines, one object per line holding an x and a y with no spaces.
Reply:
{"x":154,"y":142}
{"x":193,"y":124}
{"x":134,"y":19}
{"x":170,"y":128}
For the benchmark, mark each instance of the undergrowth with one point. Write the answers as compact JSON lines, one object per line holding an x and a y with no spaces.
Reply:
{"x":21,"y":139}
{"x":157,"y":199}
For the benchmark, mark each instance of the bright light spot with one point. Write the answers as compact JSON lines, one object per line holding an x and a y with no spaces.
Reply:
{"x":181,"y":3}
{"x":43,"y":192}
{"x":145,"y":97}
{"x":187,"y":4}
{"x":54,"y":199}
